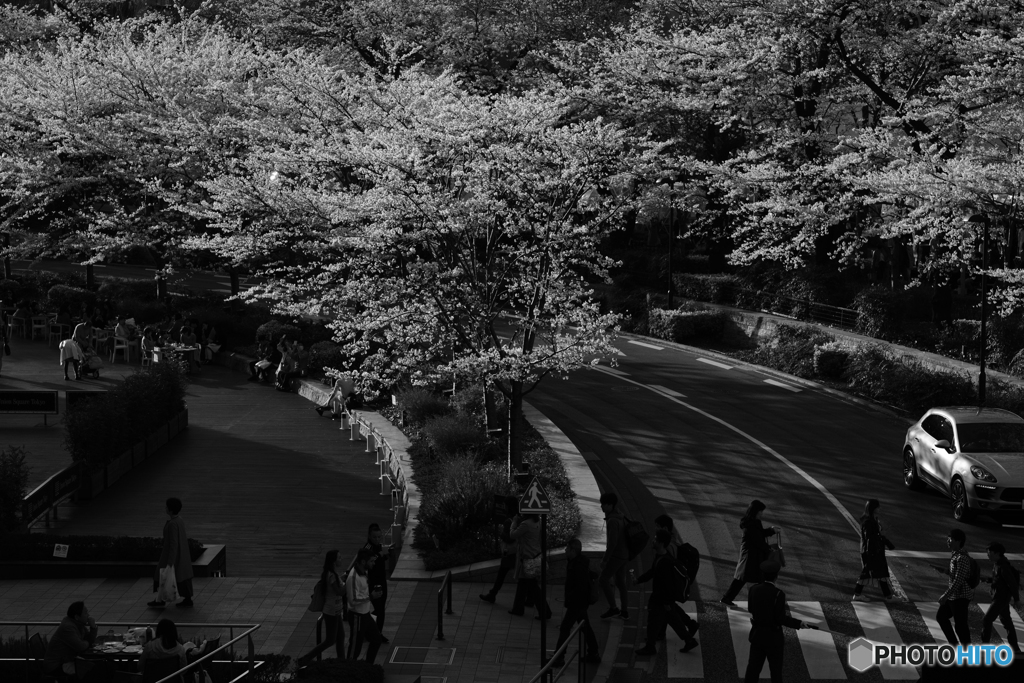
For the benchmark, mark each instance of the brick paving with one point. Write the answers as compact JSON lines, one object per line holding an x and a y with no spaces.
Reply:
{"x":259,"y":471}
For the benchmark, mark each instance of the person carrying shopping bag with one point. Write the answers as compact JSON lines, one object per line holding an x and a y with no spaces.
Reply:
{"x":754,"y":550}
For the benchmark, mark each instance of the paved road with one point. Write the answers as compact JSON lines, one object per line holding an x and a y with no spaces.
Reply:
{"x":700,"y":439}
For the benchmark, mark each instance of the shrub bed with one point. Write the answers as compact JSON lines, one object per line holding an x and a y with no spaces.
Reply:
{"x":716,"y":289}
{"x":36,"y":547}
{"x":100,"y":429}
{"x":459,"y":471}
{"x":13,"y":483}
{"x":61,"y":296}
{"x":683,"y":326}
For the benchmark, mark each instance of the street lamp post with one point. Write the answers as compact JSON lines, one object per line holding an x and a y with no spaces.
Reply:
{"x":984,"y":221}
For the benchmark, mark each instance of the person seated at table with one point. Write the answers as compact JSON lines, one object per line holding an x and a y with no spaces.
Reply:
{"x":148,"y":342}
{"x":187,"y":337}
{"x":209,"y":340}
{"x":64,"y":317}
{"x":121,"y":331}
{"x":164,"y":645}
{"x":83,"y":335}
{"x":75,"y":635}
{"x":301,"y":359}
{"x":173,"y":328}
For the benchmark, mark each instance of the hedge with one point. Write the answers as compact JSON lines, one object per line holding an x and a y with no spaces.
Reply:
{"x":13,"y":486}
{"x":61,"y":296}
{"x":881,"y":312}
{"x":716,"y":289}
{"x":34,"y":547}
{"x":100,"y":429}
{"x":684,"y":326}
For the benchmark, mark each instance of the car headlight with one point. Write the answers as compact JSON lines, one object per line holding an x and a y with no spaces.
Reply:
{"x":982,"y":473}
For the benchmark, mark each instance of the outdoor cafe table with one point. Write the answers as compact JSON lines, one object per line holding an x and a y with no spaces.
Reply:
{"x":185,"y":352}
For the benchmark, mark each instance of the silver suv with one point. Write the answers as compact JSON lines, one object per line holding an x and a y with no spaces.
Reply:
{"x":974,"y":455}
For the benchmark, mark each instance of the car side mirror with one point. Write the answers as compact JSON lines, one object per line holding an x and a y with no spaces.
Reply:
{"x":943,"y":443}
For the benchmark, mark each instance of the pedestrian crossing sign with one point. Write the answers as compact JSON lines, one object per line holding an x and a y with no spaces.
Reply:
{"x":535,"y":501}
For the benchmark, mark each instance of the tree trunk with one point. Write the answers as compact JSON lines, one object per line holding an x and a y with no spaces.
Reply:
{"x":234,"y":281}
{"x":7,"y":257}
{"x":515,"y":429}
{"x":90,"y":277}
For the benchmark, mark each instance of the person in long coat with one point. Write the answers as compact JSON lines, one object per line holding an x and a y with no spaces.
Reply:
{"x":175,"y":553}
{"x":525,"y":529}
{"x":874,"y":566}
{"x":753,"y":551}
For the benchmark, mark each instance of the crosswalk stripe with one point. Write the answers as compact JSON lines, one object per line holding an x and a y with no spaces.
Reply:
{"x":819,"y":649}
{"x":715,"y":363}
{"x":646,"y":345}
{"x":878,"y":627}
{"x":739,"y":629}
{"x":998,"y":626}
{"x":684,"y":665}
{"x":927,"y":611}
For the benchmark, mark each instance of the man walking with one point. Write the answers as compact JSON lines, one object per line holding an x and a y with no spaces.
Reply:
{"x":175,"y":554}
{"x":665,"y":522}
{"x":377,"y":575}
{"x":509,"y":546}
{"x":957,"y":598}
{"x":768,"y":614}
{"x":577,"y":601}
{"x":616,"y":556}
{"x":661,"y":609}
{"x":1005,"y":589}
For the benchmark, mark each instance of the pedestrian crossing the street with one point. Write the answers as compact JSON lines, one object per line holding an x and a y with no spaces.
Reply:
{"x":823,"y":653}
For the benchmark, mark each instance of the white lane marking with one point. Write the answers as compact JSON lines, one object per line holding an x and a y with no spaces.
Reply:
{"x":684,"y":665}
{"x":879,"y":628}
{"x":1018,"y":623}
{"x":782,"y":385}
{"x":666,"y":391}
{"x":715,"y":363}
{"x":739,"y":629}
{"x":617,"y":373}
{"x":819,"y":648}
{"x":938,"y":555}
{"x":646,"y":345}
{"x":927,"y":611}
{"x":854,"y":524}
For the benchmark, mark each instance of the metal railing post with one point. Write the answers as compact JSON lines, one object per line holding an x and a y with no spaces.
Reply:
{"x":581,"y":664}
{"x":353,"y":430}
{"x":448,"y":580}
{"x":252,"y":655}
{"x":369,"y":439}
{"x":319,"y":625}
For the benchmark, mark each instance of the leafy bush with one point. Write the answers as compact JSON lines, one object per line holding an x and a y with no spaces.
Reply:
{"x":71,"y":297}
{"x":341,"y":671}
{"x":12,"y":291}
{"x":273,"y":330}
{"x":118,"y":288}
{"x":683,"y":326}
{"x":454,"y":434}
{"x":459,"y":504}
{"x":717,"y":289}
{"x":791,"y":349}
{"x":36,"y":547}
{"x":13,"y":483}
{"x":905,"y":383}
{"x":99,"y":430}
{"x":831,"y":359}
{"x":881,"y":312}
{"x":327,"y":354}
{"x":420,"y":405}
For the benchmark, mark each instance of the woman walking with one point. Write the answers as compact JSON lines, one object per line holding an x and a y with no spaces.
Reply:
{"x":753,"y":551}
{"x":874,"y":567}
{"x":330,"y":579}
{"x":526,"y":531}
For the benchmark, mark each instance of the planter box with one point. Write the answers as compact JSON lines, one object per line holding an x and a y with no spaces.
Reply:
{"x":92,"y":483}
{"x":138,"y":453}
{"x":119,"y":467}
{"x":213,"y":562}
{"x":183,"y":420}
{"x":156,"y":440}
{"x":172,"y":428}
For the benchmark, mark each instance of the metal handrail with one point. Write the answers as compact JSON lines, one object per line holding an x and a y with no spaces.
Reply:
{"x":446,"y":583}
{"x":577,"y":630}
{"x":250,"y":629}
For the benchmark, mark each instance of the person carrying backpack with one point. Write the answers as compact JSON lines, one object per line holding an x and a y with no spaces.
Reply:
{"x":957,"y":598}
{"x":616,"y":556}
{"x":1005,"y":589}
{"x":328,"y":596}
{"x":687,"y":561}
{"x":661,"y":608}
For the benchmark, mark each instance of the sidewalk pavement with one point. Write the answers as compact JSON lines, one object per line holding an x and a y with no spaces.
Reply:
{"x":258,"y":470}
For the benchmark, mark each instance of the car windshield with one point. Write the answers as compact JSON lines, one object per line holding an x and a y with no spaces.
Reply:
{"x":991,"y":437}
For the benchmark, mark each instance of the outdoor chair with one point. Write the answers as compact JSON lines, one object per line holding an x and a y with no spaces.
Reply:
{"x":16,"y":325}
{"x":123,"y":345}
{"x":59,"y":332}
{"x":157,"y":669}
{"x":39,"y":324}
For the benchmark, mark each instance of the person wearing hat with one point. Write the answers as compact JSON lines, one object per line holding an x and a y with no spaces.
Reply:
{"x":768,"y":614}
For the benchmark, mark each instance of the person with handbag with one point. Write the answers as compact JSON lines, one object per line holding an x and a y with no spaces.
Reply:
{"x":525,"y":530}
{"x":873,"y":544}
{"x":754,"y":550}
{"x":577,"y":602}
{"x":333,"y":591}
{"x":175,"y":554}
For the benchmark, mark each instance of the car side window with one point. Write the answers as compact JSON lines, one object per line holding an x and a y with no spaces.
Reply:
{"x":945,"y":428}
{"x":931,"y":425}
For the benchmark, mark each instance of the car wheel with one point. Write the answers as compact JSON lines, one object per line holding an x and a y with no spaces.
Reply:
{"x":958,"y":494}
{"x":910,"y":478}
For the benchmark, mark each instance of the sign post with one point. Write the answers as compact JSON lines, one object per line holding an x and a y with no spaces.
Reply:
{"x":535,"y":501}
